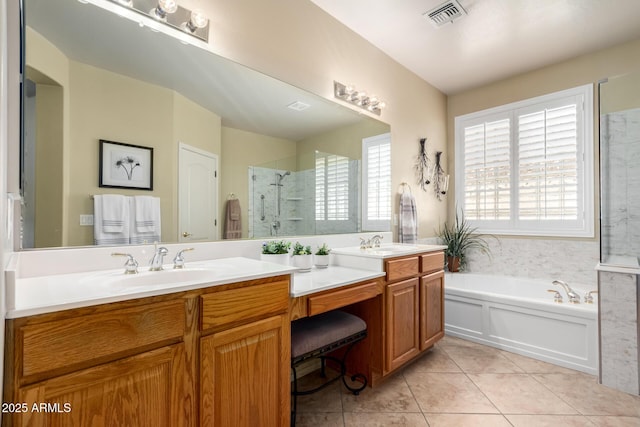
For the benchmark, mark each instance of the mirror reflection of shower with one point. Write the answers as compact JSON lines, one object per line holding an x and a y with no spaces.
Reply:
{"x":276,"y":224}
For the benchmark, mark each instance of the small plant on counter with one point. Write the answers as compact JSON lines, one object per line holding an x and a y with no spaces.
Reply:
{"x":276,"y":247}
{"x":323,"y":250}
{"x":298,"y":249}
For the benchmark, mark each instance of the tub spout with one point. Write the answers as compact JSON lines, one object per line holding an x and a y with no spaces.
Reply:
{"x":574,"y":298}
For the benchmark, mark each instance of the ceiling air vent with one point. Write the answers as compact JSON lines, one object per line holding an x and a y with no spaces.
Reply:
{"x":445,"y":13}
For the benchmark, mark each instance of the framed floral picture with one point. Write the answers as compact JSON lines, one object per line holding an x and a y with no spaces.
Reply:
{"x":125,"y":166}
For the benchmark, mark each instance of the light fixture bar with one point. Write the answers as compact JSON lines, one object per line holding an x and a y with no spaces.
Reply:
{"x":358,"y":97}
{"x":182,"y":19}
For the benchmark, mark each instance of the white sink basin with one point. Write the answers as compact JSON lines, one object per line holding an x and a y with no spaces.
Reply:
{"x":384,"y":250}
{"x":150,"y":278}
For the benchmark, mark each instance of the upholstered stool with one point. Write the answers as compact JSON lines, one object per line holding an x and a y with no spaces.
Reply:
{"x":314,"y":337}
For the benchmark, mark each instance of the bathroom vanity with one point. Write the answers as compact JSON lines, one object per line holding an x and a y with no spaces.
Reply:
{"x":211,"y":347}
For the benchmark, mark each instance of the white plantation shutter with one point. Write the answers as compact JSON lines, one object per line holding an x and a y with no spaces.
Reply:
{"x":547,"y":164}
{"x":487,"y":170}
{"x":332,"y":187}
{"x":376,"y":183}
{"x":527,"y":168}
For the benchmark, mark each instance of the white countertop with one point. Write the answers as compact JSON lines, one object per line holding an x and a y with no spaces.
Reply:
{"x":45,"y":294}
{"x":389,"y":250}
{"x":316,"y":280}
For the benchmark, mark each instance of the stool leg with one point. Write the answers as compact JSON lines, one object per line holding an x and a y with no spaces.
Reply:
{"x":343,"y":371}
{"x":323,"y":373}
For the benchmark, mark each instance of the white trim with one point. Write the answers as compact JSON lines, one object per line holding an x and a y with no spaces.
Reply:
{"x":582,"y":227}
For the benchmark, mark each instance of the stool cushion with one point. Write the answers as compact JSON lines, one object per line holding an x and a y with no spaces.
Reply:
{"x":311,"y":333}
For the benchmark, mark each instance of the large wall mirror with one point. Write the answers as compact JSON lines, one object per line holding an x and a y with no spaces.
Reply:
{"x":293,"y":161}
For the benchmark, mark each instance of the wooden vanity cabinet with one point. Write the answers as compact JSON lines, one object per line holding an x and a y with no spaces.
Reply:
{"x":211,"y":357}
{"x":414,"y":301}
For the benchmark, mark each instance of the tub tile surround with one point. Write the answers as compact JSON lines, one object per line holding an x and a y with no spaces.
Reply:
{"x":619,"y":352}
{"x":572,"y":261}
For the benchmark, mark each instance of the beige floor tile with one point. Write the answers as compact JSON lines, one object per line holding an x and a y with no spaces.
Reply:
{"x":435,"y":360}
{"x":533,"y":366}
{"x":520,"y":394}
{"x":330,"y":419}
{"x":466,"y":420}
{"x":373,"y":419}
{"x":608,"y":421}
{"x":481,"y":359}
{"x":590,"y":398}
{"x":325,"y":400}
{"x":448,"y":392}
{"x":392,"y":396}
{"x":549,"y":421}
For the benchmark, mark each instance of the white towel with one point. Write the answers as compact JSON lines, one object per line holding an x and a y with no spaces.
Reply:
{"x":146,"y":226}
{"x":408,"y":219}
{"x":111,"y":219}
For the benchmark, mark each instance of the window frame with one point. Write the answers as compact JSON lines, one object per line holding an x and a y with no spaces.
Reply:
{"x":583,"y":226}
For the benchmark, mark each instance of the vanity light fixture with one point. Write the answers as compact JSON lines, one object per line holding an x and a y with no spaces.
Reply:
{"x":350,"y":94}
{"x":192,"y":22}
{"x":164,"y":8}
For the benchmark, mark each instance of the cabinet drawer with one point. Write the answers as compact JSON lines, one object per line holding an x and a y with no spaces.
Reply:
{"x":219,"y":308}
{"x":431,"y":262}
{"x":402,"y":268}
{"x":342,"y":297}
{"x":100,"y":337}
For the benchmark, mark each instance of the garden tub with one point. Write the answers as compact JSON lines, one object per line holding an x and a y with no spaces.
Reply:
{"x":519,"y":315}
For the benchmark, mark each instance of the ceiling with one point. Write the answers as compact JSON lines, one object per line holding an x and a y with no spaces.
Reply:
{"x":495,"y":40}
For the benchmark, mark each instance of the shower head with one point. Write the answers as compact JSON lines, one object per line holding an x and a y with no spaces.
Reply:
{"x":282,"y":175}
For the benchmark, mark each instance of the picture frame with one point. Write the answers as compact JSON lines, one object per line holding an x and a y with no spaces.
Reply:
{"x":125,"y":166}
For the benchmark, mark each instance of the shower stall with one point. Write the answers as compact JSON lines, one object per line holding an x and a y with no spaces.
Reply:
{"x":619,"y":270}
{"x":288,"y":199}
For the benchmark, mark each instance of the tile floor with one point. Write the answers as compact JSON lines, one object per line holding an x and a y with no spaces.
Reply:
{"x":459,"y":383}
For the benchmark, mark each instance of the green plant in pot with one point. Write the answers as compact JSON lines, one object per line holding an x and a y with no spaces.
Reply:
{"x":459,"y":238}
{"x":301,"y":257}
{"x":321,"y":257}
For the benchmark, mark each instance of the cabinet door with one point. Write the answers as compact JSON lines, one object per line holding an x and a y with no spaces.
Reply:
{"x":431,"y":309}
{"x":149,"y":389}
{"x":245,"y":375}
{"x":402,"y":327}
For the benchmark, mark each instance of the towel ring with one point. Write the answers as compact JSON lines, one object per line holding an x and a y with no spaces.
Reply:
{"x":403,"y":186}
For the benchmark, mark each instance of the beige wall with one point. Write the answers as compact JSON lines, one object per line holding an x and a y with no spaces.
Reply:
{"x":582,"y":70}
{"x":241,"y":149}
{"x":620,"y":93}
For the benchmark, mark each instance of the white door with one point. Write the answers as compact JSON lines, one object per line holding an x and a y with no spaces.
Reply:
{"x":197,"y":195}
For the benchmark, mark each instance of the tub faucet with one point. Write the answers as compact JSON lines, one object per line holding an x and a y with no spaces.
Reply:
{"x":156,"y":261}
{"x":574,"y":298}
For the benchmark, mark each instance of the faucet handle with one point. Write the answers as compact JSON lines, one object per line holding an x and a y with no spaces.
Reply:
{"x":131,"y":266}
{"x":588,"y":297}
{"x":178,"y":260}
{"x":557,"y":297}
{"x":363,"y":243}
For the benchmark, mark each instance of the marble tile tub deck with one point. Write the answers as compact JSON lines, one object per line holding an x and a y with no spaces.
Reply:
{"x":459,"y":383}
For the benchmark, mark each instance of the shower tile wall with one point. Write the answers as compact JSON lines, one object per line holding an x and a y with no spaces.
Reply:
{"x":620,"y":228}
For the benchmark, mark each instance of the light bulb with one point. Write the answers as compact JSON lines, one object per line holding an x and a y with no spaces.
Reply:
{"x":198,"y":20}
{"x":163,"y":8}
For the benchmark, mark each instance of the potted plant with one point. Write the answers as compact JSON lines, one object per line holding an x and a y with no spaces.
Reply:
{"x":459,"y":238}
{"x":321,"y":257}
{"x":276,"y":251}
{"x":301,"y":257}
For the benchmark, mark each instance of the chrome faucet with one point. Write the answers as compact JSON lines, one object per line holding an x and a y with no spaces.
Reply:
{"x":156,"y":261}
{"x":374,"y":242}
{"x":131,"y":266}
{"x":574,"y":298}
{"x":588,"y":297}
{"x":178,"y":260}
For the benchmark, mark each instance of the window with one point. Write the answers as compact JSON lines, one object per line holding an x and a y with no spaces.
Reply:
{"x":527,"y":168}
{"x":332,"y":187}
{"x":376,"y":183}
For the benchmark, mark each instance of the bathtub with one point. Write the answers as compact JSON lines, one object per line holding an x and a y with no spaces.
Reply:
{"x":519,"y":315}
